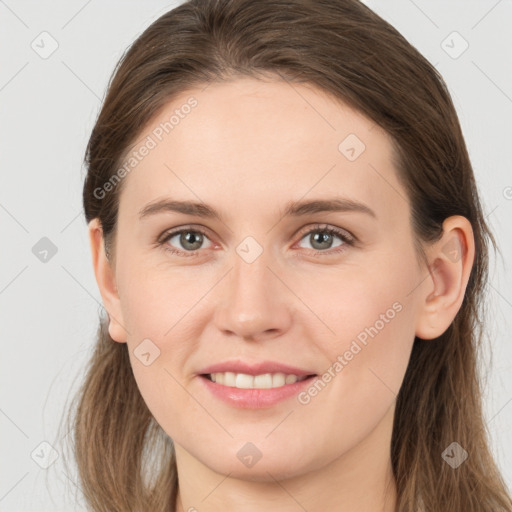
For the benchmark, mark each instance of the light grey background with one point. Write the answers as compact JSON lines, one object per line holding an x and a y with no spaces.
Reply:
{"x":49,"y":310}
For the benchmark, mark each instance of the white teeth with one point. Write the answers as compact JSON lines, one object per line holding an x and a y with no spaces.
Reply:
{"x":278,"y":379}
{"x":263,"y":381}
{"x":229,"y":379}
{"x":244,"y":381}
{"x":290,"y":379}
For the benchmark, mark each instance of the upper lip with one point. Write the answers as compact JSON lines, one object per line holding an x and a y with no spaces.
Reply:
{"x":238,"y":366}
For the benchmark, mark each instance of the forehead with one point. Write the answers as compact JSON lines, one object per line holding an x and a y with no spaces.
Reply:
{"x":249,"y":145}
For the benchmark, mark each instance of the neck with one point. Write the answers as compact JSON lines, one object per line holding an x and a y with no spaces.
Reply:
{"x":360,"y":479}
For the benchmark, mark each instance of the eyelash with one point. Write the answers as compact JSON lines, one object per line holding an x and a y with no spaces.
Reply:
{"x":348,"y":240}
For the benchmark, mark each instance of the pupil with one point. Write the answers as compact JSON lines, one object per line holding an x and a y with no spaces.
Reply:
{"x":324,"y":237}
{"x":189,"y":237}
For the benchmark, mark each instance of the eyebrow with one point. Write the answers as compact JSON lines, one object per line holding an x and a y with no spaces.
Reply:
{"x":292,"y":208}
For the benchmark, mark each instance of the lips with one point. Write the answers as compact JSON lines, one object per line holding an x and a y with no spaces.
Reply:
{"x":256,"y":385}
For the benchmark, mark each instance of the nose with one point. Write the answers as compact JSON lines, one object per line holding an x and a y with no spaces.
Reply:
{"x":254,"y":304}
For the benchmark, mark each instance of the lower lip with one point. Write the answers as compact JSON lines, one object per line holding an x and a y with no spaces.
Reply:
{"x":255,"y":398}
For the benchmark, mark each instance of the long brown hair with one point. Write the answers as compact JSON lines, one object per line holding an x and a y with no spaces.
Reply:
{"x":125,"y":460}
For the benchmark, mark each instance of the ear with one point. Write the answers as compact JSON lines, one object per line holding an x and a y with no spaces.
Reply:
{"x":105,"y":277}
{"x":450,"y":262}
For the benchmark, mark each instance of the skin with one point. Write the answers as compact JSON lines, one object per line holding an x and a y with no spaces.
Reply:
{"x":247,"y":149}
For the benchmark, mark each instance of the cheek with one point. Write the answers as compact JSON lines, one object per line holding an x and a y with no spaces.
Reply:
{"x":155,"y":299}
{"x":165,"y":399}
{"x":363,"y":303}
{"x":367,"y":360}
{"x":366,"y":334}
{"x":158,"y":309}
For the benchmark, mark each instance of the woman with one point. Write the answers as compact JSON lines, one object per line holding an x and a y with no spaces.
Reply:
{"x":288,"y":240}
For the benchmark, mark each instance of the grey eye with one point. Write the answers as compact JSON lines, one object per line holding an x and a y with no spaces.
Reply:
{"x":321,"y":240}
{"x":188,"y":239}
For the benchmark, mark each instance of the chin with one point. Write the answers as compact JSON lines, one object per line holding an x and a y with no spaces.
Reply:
{"x":267,"y":469}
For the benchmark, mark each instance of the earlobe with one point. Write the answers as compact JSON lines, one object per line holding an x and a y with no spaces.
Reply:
{"x":105,"y":278}
{"x":452,"y":259}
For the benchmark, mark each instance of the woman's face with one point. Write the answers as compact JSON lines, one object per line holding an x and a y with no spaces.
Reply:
{"x":259,"y":287}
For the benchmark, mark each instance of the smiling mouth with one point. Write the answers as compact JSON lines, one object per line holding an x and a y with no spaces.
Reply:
{"x":263,"y":381}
